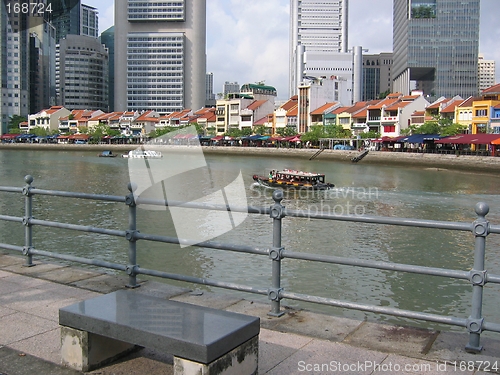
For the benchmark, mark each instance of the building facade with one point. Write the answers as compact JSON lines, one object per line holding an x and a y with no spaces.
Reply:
{"x":485,"y":73}
{"x":82,"y":73}
{"x":160,"y":55}
{"x":318,"y":34}
{"x":108,"y":40}
{"x":376,"y":75}
{"x":26,"y":65}
{"x":435,"y":47}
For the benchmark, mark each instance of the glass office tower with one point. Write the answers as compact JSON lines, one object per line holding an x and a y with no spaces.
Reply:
{"x":435,"y":45}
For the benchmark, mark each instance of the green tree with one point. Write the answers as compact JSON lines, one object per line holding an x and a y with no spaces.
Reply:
{"x":14,"y":122}
{"x":371,"y":134}
{"x":286,"y":131}
{"x":39,"y":131}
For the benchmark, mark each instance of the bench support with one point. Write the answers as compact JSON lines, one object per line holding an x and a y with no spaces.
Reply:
{"x":85,"y":351}
{"x":239,"y":361}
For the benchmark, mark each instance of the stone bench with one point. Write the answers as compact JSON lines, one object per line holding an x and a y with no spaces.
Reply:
{"x":202,"y":340}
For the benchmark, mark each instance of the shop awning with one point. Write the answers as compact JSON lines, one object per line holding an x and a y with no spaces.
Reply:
{"x":467,"y":139}
{"x":420,"y":138}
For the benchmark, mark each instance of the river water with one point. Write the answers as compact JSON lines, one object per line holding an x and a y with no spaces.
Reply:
{"x":384,"y":190}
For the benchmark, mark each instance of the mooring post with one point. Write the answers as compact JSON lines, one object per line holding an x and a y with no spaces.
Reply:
{"x":276,"y":254}
{"x":480,"y":229}
{"x":28,"y":213}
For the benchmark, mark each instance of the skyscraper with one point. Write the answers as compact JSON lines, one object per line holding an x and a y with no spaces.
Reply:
{"x":160,"y":55}
{"x":435,"y":46}
{"x":318,"y":39}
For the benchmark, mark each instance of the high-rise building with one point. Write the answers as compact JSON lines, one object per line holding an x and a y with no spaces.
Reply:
{"x":209,"y":90}
{"x":89,"y":21}
{"x":82,"y":68}
{"x":485,"y":73}
{"x":26,"y":64}
{"x":75,"y":18}
{"x":435,"y":47}
{"x":108,"y":39}
{"x":230,"y":88}
{"x":376,"y":75}
{"x":318,"y":40}
{"x":160,"y":55}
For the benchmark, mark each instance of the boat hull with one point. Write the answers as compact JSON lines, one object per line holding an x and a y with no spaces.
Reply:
{"x":291,"y":185}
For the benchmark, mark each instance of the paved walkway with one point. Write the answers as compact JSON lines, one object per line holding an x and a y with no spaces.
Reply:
{"x":299,"y":342}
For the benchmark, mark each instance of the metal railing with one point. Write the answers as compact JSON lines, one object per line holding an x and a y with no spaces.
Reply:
{"x":477,"y":276}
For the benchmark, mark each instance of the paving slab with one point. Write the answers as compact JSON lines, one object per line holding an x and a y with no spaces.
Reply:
{"x":103,"y":283}
{"x":160,"y":290}
{"x":46,"y":345}
{"x":449,"y":346}
{"x":276,"y":347}
{"x":396,"y":364}
{"x":323,"y":357}
{"x":408,"y":341}
{"x":321,"y":326}
{"x":208,"y":299}
{"x":261,"y":310}
{"x":20,"y":326}
{"x":35,"y":271}
{"x":14,"y":362}
{"x":67,"y":275}
{"x":9,"y":260}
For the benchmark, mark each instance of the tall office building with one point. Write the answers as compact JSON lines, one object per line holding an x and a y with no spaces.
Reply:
{"x":26,"y":65}
{"x":318,"y":40}
{"x":160,"y":55}
{"x":376,"y":75}
{"x":486,"y":73}
{"x":82,"y":73}
{"x":108,"y":39}
{"x":435,"y":47}
{"x":75,"y":18}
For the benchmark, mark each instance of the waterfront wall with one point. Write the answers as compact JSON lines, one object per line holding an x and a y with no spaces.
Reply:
{"x":425,"y":160}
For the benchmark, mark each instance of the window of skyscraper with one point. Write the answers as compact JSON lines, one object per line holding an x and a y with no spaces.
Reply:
{"x":423,"y":8}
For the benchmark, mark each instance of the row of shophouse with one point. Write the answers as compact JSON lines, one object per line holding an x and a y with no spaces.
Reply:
{"x":388,"y":116}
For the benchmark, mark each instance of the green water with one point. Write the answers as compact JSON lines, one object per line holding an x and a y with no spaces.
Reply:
{"x":411,"y":192}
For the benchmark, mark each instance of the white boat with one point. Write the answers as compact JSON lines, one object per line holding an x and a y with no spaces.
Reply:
{"x":143,"y":154}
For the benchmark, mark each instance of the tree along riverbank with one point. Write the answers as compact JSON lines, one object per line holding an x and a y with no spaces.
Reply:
{"x":439,"y":161}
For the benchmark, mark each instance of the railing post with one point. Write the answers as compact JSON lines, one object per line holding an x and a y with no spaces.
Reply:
{"x":130,"y":236}
{"x":28,"y":229}
{"x":276,"y":254}
{"x":480,"y":229}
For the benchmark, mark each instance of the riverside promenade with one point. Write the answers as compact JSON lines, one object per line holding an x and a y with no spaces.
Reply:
{"x":469,"y":163}
{"x":299,"y":342}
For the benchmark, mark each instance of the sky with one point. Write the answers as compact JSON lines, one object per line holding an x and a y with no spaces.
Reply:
{"x":247,"y":41}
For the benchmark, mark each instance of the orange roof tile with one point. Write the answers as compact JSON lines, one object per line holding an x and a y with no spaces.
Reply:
{"x":495,"y":89}
{"x":325,"y":107}
{"x":256,"y":104}
{"x":361,"y":114}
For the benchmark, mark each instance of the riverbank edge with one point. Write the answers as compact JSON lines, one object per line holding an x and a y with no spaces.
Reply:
{"x":437,"y":161}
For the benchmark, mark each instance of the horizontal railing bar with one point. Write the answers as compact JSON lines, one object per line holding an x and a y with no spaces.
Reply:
{"x":10,"y":189}
{"x":456,"y":274}
{"x":208,"y":244}
{"x":203,"y":281}
{"x":204,"y":206}
{"x":494,"y":229}
{"x":377,"y":309}
{"x":493,"y":278}
{"x":68,"y":194}
{"x":80,"y":228}
{"x":11,"y":247}
{"x":72,"y":258}
{"x":11,"y":218}
{"x":494,"y":327}
{"x":422,"y":223}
